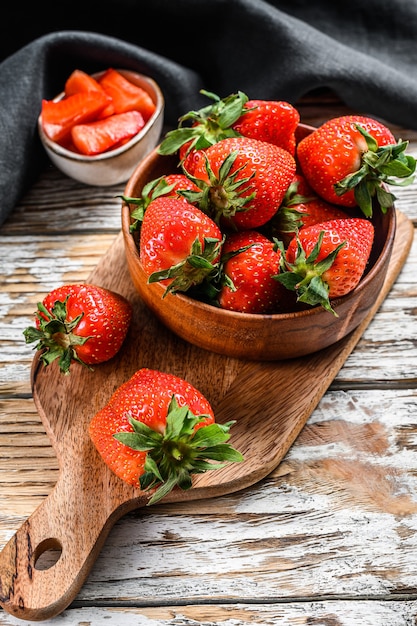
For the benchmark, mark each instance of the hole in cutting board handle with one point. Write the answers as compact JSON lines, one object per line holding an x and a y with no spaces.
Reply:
{"x":47,"y":554}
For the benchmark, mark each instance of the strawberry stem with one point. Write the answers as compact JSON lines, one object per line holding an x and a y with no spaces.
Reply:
{"x":180,"y":451}
{"x":380,"y":165}
{"x":305,"y":275}
{"x":55,"y":337}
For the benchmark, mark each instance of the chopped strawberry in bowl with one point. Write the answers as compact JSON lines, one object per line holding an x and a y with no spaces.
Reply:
{"x":100,"y":126}
{"x":232,"y":246}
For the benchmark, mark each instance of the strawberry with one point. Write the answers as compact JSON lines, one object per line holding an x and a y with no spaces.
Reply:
{"x":126,"y":96}
{"x":79,"y":81}
{"x":157,"y":430}
{"x":58,"y":117}
{"x":170,"y":185}
{"x":250,"y":260}
{"x":179,"y":244}
{"x":327,"y":260}
{"x":271,"y":121}
{"x":347,"y":160}
{"x":106,"y":134}
{"x":243,"y":181}
{"x":80,"y":323}
{"x":301,"y":207}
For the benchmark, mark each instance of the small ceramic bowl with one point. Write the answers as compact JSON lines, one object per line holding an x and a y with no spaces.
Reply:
{"x":115,"y":166}
{"x":256,"y":336}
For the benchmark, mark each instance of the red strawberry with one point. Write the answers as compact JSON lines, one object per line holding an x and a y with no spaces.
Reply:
{"x":81,"y":323}
{"x":126,"y":96}
{"x":179,"y":245}
{"x":106,"y":134}
{"x":157,"y":430}
{"x":271,"y":121}
{"x":58,"y":117}
{"x":301,"y":207}
{"x":250,"y":287}
{"x":79,"y":81}
{"x":347,"y":159}
{"x":327,"y":260}
{"x":243,"y":181}
{"x":169,"y":185}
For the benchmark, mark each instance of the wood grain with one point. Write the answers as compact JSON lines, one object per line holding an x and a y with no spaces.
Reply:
{"x":77,"y":516}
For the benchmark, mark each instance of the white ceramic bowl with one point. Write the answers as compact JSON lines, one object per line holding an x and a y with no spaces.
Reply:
{"x":115,"y":166}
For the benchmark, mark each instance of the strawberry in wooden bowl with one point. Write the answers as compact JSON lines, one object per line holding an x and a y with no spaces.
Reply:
{"x":99,"y":128}
{"x":231,"y":264}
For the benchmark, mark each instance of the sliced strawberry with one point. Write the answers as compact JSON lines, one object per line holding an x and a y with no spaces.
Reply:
{"x":79,"y":82}
{"x":106,"y":134}
{"x":125,"y":95}
{"x":58,"y":117}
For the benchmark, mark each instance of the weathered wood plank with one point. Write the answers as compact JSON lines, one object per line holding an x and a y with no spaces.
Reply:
{"x":323,"y":613}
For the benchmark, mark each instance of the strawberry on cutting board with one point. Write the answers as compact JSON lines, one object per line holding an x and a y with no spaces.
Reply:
{"x":80,"y":323}
{"x":348,"y":159}
{"x":327,"y":260}
{"x":157,"y":430}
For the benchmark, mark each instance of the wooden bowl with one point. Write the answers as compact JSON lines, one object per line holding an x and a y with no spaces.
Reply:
{"x":256,"y":336}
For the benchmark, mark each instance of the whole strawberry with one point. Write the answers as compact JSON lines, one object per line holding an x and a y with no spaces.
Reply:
{"x":179,"y":244}
{"x":250,"y":261}
{"x":169,"y":185}
{"x":327,"y":260}
{"x":233,"y":116}
{"x":348,"y":158}
{"x":274,"y":121}
{"x":157,"y":430}
{"x":80,"y":323}
{"x":243,"y":181}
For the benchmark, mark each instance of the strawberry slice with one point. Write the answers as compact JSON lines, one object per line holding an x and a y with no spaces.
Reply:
{"x":106,"y":134}
{"x":125,"y":95}
{"x":79,"y":82}
{"x":58,"y":117}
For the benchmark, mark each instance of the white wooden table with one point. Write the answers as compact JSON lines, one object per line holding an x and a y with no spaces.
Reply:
{"x":328,"y":539}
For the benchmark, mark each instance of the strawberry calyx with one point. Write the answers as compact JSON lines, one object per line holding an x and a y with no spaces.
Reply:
{"x":304,"y":276}
{"x":153,"y":189}
{"x":180,"y":451}
{"x":197,"y":267}
{"x":55,"y":337}
{"x":386,"y":164}
{"x":224,"y":195}
{"x":208,"y":124}
{"x":287,"y":219}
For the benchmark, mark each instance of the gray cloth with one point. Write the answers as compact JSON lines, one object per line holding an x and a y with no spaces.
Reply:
{"x":366,"y":52}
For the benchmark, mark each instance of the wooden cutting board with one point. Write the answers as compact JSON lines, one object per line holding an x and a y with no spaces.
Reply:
{"x":270,"y":401}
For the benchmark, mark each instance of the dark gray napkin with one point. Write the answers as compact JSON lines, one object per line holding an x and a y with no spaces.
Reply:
{"x":366,"y":52}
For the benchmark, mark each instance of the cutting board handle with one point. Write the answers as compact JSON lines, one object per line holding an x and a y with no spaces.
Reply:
{"x":44,"y":565}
